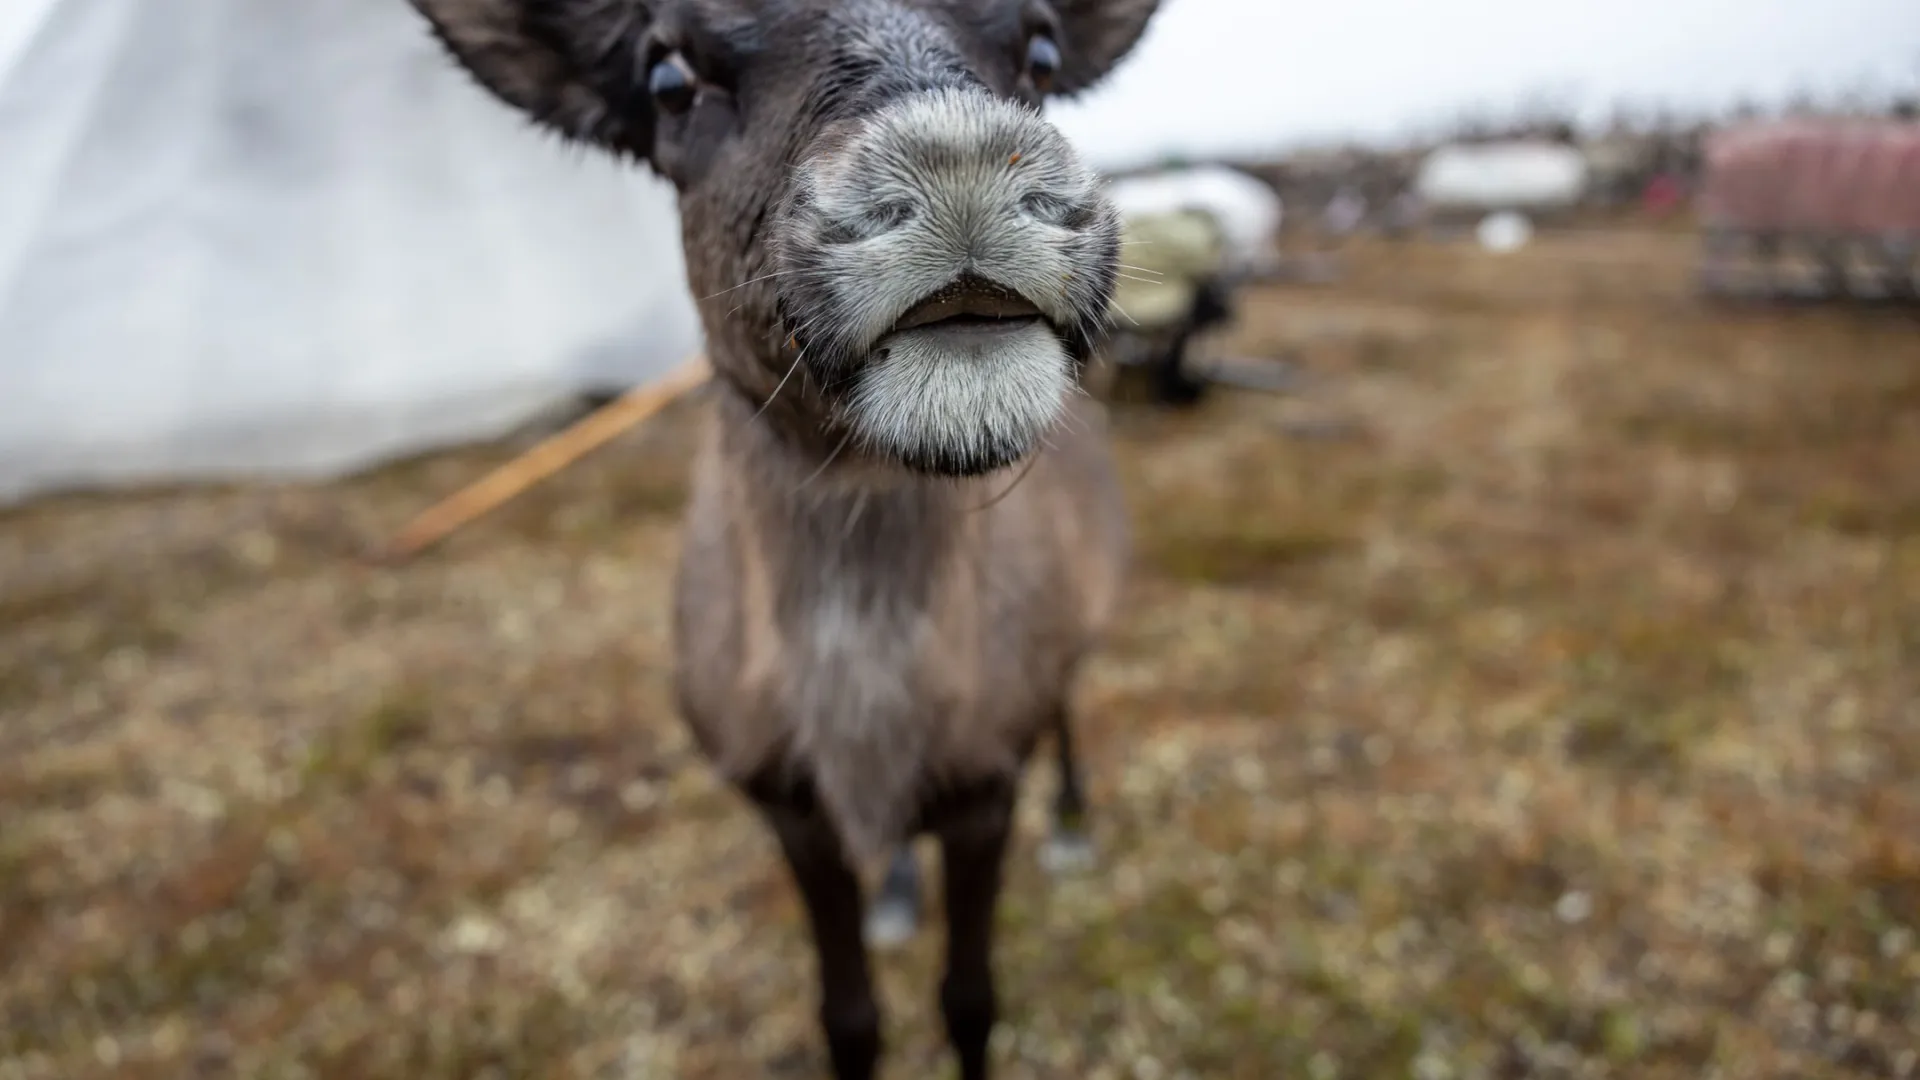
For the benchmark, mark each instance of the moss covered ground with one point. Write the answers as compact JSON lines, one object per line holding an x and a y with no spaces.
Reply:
{"x":1534,"y":694}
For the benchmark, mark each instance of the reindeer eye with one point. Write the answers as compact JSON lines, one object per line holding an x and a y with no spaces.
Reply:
{"x":1043,"y":60}
{"x":672,"y":85}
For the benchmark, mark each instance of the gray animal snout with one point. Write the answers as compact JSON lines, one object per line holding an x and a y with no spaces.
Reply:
{"x":943,"y":262}
{"x":945,"y":184}
{"x":975,"y":173}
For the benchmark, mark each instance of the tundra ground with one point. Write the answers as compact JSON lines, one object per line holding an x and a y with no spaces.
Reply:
{"x":1536,"y":693}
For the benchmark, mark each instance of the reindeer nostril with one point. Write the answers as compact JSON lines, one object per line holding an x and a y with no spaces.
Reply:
{"x":839,"y":232}
{"x":1054,"y":210}
{"x":892,"y":214}
{"x":869,"y":223}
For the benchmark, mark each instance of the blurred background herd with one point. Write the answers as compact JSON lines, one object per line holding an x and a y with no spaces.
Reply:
{"x":1520,"y":407}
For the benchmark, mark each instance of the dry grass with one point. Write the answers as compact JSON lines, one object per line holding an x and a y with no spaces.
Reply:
{"x":1551,"y":712}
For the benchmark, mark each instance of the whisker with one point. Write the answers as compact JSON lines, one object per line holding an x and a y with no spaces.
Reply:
{"x":815,"y":475}
{"x":858,"y":508}
{"x":751,"y":281}
{"x":1032,"y":460}
{"x":735,"y":310}
{"x":781,"y":385}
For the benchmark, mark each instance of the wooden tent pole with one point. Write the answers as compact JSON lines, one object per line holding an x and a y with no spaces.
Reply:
{"x":549,"y":456}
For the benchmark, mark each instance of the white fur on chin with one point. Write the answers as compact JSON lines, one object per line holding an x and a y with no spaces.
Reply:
{"x":962,"y":401}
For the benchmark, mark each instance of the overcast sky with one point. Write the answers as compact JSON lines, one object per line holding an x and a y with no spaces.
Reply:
{"x":1230,"y":75}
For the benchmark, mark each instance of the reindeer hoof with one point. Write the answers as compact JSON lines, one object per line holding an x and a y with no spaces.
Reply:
{"x":891,"y":923}
{"x":1066,"y":852}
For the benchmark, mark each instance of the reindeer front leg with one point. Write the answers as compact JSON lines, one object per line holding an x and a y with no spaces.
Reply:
{"x":973,"y":855}
{"x":849,"y":1015}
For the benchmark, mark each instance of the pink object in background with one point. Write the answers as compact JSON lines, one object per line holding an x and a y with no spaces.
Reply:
{"x":1663,"y":194}
{"x":1857,"y":177}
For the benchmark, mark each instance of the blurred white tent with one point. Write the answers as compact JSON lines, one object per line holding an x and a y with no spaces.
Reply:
{"x":1502,"y":176}
{"x":286,"y":237}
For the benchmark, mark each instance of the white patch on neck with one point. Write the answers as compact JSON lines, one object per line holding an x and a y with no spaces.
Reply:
{"x":858,"y":720}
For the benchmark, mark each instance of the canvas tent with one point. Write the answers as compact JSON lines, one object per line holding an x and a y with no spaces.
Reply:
{"x":287,"y":238}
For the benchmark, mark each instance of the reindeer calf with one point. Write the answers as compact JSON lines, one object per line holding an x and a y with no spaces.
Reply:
{"x":905,"y":531}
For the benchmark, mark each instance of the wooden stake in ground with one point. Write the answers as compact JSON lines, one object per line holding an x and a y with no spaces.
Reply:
{"x":551,"y":455}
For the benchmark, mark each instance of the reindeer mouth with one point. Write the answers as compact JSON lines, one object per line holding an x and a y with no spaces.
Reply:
{"x":970,"y":304}
{"x":967,"y":381}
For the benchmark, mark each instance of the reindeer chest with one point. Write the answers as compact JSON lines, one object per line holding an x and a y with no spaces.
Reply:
{"x":863,"y":629}
{"x":860,"y":624}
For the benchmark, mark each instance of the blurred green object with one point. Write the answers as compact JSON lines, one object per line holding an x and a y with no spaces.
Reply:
{"x":1166,"y":258}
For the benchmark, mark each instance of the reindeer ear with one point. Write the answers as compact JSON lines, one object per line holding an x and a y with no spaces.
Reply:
{"x":1095,"y":35}
{"x":572,"y":65}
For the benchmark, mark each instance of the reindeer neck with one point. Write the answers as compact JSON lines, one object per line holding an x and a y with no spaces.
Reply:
{"x":822,"y":508}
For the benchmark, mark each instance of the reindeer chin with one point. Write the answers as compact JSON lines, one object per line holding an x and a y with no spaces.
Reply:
{"x":962,"y":401}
